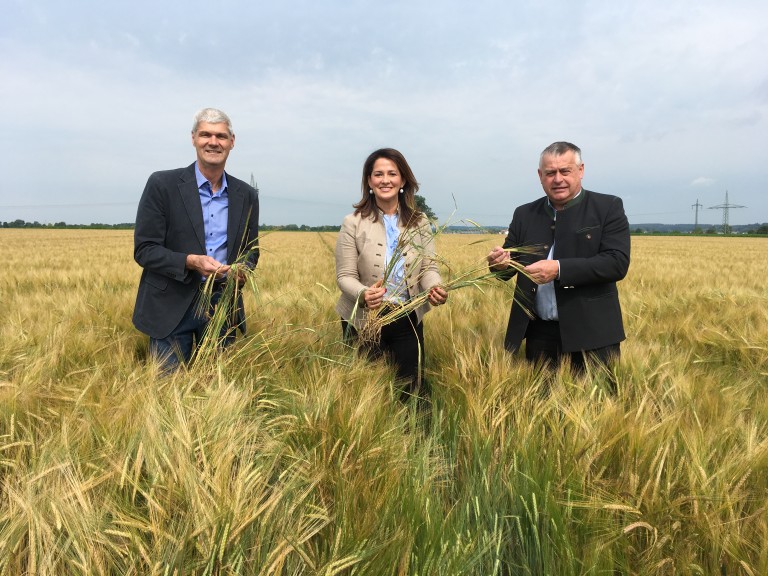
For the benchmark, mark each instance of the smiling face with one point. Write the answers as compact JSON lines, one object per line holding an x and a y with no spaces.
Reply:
{"x":561,"y":177}
{"x":213,"y":143}
{"x":385,"y":180}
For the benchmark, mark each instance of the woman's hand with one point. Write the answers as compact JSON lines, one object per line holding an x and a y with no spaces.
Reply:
{"x":437,"y":296}
{"x":374,"y":295}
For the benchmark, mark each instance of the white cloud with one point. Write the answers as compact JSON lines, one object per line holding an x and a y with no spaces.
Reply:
{"x":703,"y":181}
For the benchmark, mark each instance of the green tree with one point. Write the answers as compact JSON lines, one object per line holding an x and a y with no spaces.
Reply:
{"x":421,"y":204}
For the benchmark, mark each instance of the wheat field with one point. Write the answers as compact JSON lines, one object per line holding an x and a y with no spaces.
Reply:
{"x":289,"y":455}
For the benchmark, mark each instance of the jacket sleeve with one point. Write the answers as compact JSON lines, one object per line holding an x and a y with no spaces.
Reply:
{"x":149,"y":248}
{"x":250,"y":245}
{"x":513,"y":240}
{"x":429,"y":275}
{"x":347,"y":273}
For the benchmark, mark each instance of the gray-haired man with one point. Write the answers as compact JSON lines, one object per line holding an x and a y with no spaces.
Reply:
{"x":191,"y":223}
{"x":571,"y":287}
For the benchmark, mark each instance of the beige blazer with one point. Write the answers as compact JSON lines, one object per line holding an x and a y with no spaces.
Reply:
{"x":360,"y":251}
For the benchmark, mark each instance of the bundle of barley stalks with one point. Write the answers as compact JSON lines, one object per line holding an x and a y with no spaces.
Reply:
{"x":476,"y":276}
{"x":223,"y":315}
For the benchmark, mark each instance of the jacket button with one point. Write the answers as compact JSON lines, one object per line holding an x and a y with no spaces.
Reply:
{"x":589,"y":236}
{"x":552,"y":227}
{"x":546,"y":246}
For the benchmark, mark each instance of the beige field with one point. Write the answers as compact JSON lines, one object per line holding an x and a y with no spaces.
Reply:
{"x":290,"y":455}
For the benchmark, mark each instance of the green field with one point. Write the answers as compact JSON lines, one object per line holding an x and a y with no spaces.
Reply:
{"x":289,"y":455}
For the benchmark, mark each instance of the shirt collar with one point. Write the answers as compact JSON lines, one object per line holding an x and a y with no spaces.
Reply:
{"x":202,"y":180}
{"x":572,"y":202}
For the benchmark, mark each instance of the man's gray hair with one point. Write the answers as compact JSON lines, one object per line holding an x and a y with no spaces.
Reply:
{"x":560,"y":148}
{"x":212,"y":116}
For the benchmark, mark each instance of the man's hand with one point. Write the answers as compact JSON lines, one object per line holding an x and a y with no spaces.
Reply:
{"x":498,"y":259}
{"x":240,"y":275}
{"x":206,"y":266}
{"x":543,"y":271}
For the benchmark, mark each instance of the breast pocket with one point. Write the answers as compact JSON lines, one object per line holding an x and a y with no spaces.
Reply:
{"x":588,"y":238}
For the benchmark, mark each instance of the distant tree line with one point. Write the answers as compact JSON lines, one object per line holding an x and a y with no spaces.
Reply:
{"x":36,"y":224}
{"x":677,"y":230}
{"x":130,"y":226}
{"x":300,"y":228}
{"x":666,"y":230}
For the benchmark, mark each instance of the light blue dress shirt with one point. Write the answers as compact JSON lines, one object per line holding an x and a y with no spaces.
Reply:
{"x":397,"y":291}
{"x":215,"y":215}
{"x":546,"y":301}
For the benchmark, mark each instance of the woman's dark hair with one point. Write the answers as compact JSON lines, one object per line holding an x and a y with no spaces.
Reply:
{"x":409,"y":215}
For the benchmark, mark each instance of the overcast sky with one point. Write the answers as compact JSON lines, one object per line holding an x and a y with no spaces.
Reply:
{"x":668,"y":101}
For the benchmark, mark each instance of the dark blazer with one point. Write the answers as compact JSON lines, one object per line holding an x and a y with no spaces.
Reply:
{"x":592,"y":244}
{"x":169,"y":225}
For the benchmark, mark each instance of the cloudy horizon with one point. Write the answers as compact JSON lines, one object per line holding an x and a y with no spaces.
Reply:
{"x":668,"y":102}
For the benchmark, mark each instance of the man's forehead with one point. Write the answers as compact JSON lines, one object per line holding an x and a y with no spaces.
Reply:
{"x":564,"y":158}
{"x":215,"y":128}
{"x":559,"y":162}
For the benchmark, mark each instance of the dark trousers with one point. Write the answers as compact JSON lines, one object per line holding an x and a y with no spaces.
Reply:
{"x":178,"y":347}
{"x":402,"y":343}
{"x":543,"y":345}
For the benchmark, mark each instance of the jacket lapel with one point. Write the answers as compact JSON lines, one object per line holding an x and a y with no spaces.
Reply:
{"x":235,"y":210}
{"x":190,"y":197}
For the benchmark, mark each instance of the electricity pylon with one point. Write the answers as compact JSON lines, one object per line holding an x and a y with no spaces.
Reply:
{"x":253,"y":184}
{"x":725,"y":208}
{"x":696,"y":219}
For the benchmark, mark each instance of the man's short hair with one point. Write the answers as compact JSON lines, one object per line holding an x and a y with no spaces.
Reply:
{"x":212,"y":116}
{"x":560,"y":148}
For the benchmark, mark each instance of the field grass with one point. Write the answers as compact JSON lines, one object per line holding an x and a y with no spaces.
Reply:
{"x":290,"y":455}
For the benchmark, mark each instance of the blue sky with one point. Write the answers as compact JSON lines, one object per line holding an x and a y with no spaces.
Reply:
{"x":668,"y":101}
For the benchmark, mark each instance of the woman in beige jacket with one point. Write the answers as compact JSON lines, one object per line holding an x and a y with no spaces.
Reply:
{"x":387,"y":235}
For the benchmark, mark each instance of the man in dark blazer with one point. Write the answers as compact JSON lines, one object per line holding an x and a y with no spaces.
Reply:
{"x":192,"y":223}
{"x":568,"y":304}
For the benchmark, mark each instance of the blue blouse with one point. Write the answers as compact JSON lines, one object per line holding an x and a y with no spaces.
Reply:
{"x":397,"y":290}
